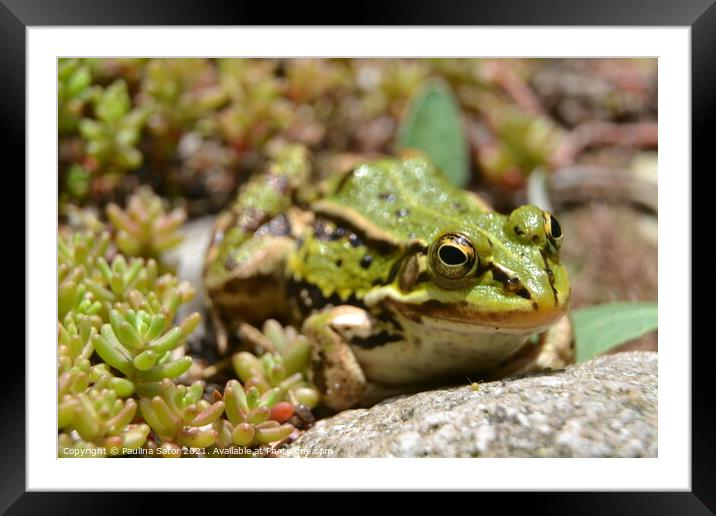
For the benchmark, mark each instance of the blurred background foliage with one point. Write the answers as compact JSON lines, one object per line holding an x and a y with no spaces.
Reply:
{"x":193,"y":129}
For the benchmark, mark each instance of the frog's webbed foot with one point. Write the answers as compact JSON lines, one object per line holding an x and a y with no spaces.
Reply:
{"x":337,"y":372}
{"x":554,"y":349}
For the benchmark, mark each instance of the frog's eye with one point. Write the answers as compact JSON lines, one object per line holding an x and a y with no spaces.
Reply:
{"x":452,"y":256}
{"x":553,"y":229}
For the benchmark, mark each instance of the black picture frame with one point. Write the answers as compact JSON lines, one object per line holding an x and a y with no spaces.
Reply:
{"x":699,"y":15}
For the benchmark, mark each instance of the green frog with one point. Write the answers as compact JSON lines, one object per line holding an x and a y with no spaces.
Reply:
{"x":400,"y":280}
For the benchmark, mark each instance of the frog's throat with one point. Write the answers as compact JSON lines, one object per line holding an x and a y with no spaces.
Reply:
{"x":464,"y":317}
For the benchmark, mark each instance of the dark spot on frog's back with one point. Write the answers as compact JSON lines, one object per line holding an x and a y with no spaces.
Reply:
{"x":366,"y":261}
{"x":386,"y":196}
{"x":402,"y":212}
{"x":250,"y":219}
{"x":459,"y":207}
{"x":278,"y":183}
{"x":230,"y":263}
{"x":322,"y":231}
{"x":277,"y":226}
{"x":354,"y":240}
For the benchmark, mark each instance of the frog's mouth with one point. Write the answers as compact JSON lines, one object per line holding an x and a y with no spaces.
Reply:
{"x":463,"y":317}
{"x":516,"y":314}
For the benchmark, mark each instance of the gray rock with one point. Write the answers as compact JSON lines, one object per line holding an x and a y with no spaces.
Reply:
{"x":188,"y":258}
{"x":606,"y":407}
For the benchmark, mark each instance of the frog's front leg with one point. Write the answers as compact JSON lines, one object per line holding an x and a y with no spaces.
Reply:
{"x":557,"y":349}
{"x":337,"y":372}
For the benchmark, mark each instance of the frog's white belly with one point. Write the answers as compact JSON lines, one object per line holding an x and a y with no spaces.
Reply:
{"x":434,"y":348}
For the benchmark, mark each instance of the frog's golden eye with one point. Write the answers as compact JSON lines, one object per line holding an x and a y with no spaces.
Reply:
{"x":453,"y":257}
{"x":553,"y":229}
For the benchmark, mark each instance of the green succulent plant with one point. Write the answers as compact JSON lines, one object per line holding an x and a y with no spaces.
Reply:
{"x":73,"y":296}
{"x":179,"y":416}
{"x":74,"y":369}
{"x":121,"y":313}
{"x":113,"y":135}
{"x":145,"y":228}
{"x":78,"y":254}
{"x":519,"y":143}
{"x":74,"y":92}
{"x":311,"y":80}
{"x":78,"y":181}
{"x":248,"y":415}
{"x":399,"y":79}
{"x":99,"y":419}
{"x":178,"y":93}
{"x":139,"y":345}
{"x":257,"y":108}
{"x":74,"y":351}
{"x":81,"y":249}
{"x":107,"y":70}
{"x":528,"y":140}
{"x":136,"y":284}
{"x":110,"y":284}
{"x":162,"y":295}
{"x":285,"y":365}
{"x":77,"y":220}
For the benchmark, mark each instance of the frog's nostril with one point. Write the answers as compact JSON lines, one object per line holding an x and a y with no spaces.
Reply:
{"x":523,"y":292}
{"x":510,"y":281}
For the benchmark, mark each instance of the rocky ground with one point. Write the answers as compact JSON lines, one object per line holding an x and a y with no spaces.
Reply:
{"x":606,"y":407}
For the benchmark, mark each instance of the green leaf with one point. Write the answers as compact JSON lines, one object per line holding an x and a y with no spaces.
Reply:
{"x":433,"y":125}
{"x":168,"y":341}
{"x":243,"y":434}
{"x":145,"y":360}
{"x":235,"y":402}
{"x":168,"y":370}
{"x":267,"y":435}
{"x":196,"y":438}
{"x":111,"y":351}
{"x":151,"y":417}
{"x":602,"y":327}
{"x":209,"y":414}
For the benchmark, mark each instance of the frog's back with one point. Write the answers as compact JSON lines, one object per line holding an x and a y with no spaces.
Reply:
{"x":400,"y":199}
